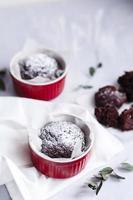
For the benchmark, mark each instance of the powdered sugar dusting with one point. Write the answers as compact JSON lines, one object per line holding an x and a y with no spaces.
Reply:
{"x":40,"y":65}
{"x":59,"y":138}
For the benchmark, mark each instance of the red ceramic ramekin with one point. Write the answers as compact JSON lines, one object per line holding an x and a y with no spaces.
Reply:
{"x":42,"y":91}
{"x":56,"y":168}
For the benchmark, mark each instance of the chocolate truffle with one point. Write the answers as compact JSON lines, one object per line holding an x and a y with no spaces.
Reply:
{"x":59,"y":138}
{"x":126,"y":83}
{"x":40,"y":65}
{"x":126,"y":119}
{"x":109,"y":95}
{"x":107,"y":115}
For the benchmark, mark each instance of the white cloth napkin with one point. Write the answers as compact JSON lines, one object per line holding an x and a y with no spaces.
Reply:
{"x":23,"y":181}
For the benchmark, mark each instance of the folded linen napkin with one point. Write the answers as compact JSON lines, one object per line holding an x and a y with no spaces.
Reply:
{"x":23,"y":181}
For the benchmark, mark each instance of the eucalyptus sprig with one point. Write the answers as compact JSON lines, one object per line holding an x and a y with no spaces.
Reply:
{"x":92,"y":70}
{"x":97,"y":180}
{"x":86,"y":87}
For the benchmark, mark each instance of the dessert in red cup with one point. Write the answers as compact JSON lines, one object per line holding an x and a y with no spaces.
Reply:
{"x":61,"y":148}
{"x":38,"y":74}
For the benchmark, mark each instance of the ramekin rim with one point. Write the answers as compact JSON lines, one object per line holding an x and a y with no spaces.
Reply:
{"x":37,"y":84}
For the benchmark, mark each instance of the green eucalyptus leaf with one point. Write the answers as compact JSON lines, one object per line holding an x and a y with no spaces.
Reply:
{"x":86,"y":86}
{"x":105,"y":172}
{"x":83,"y":87}
{"x":126,"y":166}
{"x":92,"y":71}
{"x":99,"y":65}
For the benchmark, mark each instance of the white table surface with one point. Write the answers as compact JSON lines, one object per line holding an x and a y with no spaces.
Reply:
{"x":85,"y":32}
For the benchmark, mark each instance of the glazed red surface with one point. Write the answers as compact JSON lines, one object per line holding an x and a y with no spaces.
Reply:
{"x":41,"y":92}
{"x":57,"y":169}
